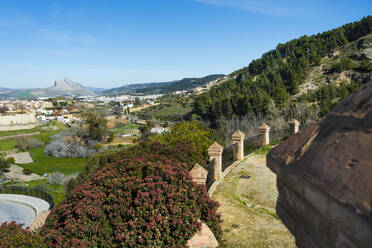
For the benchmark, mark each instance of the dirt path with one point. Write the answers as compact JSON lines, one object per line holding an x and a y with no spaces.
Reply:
{"x":247,"y":199}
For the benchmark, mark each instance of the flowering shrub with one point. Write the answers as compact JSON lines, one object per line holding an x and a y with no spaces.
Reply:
{"x":183,"y":152}
{"x":140,"y":197}
{"x":13,"y":236}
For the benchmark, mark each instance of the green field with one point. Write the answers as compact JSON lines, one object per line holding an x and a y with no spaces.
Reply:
{"x":14,"y":132}
{"x":7,"y":144}
{"x":44,"y":135}
{"x":130,"y":128}
{"x":43,"y":164}
{"x":170,"y":110}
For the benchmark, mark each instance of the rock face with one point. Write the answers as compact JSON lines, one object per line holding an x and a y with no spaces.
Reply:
{"x":324,"y":177}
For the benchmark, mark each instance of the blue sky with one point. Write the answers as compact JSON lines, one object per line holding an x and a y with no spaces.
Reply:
{"x":111,"y":43}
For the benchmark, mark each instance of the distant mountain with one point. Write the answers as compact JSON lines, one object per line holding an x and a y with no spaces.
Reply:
{"x":162,"y":87}
{"x":64,"y":87}
{"x":95,"y":90}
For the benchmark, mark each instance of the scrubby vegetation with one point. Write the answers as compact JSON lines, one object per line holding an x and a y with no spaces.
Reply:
{"x":27,"y":143}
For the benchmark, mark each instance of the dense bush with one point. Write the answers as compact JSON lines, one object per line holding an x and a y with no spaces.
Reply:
{"x":4,"y":166}
{"x":143,"y":199}
{"x":191,"y":132}
{"x":11,"y":160}
{"x":27,"y":143}
{"x":13,"y":235}
{"x":58,"y":178}
{"x":71,"y":144}
{"x":27,"y":171}
{"x":63,"y":149}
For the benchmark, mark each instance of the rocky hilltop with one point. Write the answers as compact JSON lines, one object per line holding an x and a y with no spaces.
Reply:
{"x":61,"y":88}
{"x":325,"y":177}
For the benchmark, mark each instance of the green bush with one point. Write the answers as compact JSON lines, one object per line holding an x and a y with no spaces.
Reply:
{"x":11,"y":160}
{"x":12,"y":235}
{"x":344,"y":64}
{"x":192,"y":133}
{"x":27,"y":171}
{"x":366,"y":66}
{"x":4,"y":166}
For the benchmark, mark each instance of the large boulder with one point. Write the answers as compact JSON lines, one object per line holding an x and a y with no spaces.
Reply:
{"x":325,"y":177}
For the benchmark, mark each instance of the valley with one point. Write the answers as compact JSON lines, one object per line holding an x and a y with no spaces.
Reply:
{"x":200,"y":162}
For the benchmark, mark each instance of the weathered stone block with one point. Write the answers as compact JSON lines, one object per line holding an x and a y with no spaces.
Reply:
{"x":199,"y":174}
{"x":325,"y":177}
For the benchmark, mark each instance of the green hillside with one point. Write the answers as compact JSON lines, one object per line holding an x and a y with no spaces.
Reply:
{"x":163,"y":87}
{"x":319,"y":69}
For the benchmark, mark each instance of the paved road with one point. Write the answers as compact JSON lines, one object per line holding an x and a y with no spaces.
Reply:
{"x":247,"y":198}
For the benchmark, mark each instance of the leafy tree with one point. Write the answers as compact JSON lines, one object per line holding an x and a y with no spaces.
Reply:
{"x":97,"y":125}
{"x":4,"y":109}
{"x":4,"y":166}
{"x":189,"y":132}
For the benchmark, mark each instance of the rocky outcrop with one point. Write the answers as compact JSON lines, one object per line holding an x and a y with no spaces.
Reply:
{"x":324,"y":177}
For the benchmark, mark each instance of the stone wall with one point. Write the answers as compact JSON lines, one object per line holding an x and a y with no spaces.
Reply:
{"x":6,"y":120}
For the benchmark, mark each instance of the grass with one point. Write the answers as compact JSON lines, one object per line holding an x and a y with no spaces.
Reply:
{"x":124,"y":129}
{"x":44,"y":164}
{"x":264,"y":150}
{"x":56,"y":191}
{"x":168,"y":111}
{"x":44,"y":135}
{"x":14,"y":132}
{"x":7,"y":144}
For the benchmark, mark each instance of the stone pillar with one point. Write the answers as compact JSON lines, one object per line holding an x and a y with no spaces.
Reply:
{"x":238,"y":139}
{"x":199,"y":174}
{"x":294,"y":126}
{"x":215,"y":154}
{"x":264,"y":131}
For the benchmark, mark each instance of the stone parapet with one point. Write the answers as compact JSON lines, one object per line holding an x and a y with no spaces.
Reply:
{"x":215,"y":155}
{"x":238,"y":139}
{"x":199,"y":174}
{"x":264,"y":131}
